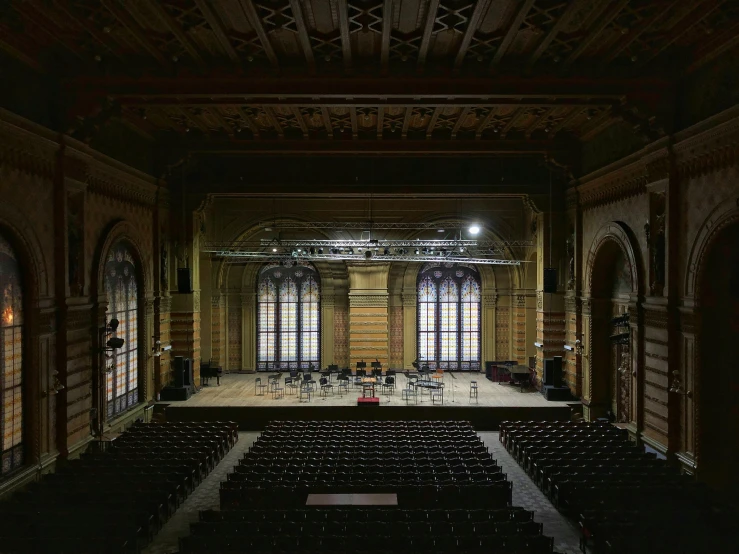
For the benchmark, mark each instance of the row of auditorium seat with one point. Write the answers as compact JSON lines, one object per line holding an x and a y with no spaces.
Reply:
{"x":451,"y":494}
{"x":117,"y":495}
{"x":625,"y":500}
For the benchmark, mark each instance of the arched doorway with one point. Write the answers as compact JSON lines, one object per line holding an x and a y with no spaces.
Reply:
{"x":719,"y":380}
{"x":611,"y":285}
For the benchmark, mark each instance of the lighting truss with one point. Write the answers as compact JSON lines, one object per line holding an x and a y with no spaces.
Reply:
{"x":374,"y":243}
{"x":360,"y":257}
{"x":362,"y":225}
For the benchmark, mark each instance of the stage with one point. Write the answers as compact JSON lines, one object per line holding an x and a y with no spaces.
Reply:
{"x":235,"y":400}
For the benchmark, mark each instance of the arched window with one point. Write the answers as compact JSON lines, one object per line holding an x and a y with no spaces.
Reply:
{"x":288,"y":323}
{"x":449,"y":316}
{"x":121,"y":287}
{"x":11,"y":358}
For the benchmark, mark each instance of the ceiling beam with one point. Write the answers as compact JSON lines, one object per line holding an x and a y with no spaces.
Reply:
{"x":216,"y":25}
{"x":193,"y":119}
{"x":726,"y":40}
{"x":460,"y":120}
{"x":253,"y":127}
{"x":598,"y":123}
{"x":561,"y":22}
{"x":432,"y":123}
{"x":221,"y":121}
{"x":387,"y":17}
{"x":256,"y":24}
{"x":326,"y":115}
{"x":387,"y":147}
{"x":640,"y":28}
{"x":513,"y":28}
{"x":14,"y":51}
{"x":407,"y":120}
{"x":480,"y":8}
{"x":428,"y":29}
{"x":303,"y":35}
{"x":346,"y":44}
{"x":273,"y":121}
{"x":102,"y":38}
{"x":353,"y":116}
{"x":125,"y":19}
{"x":213,"y":86}
{"x":301,"y":122}
{"x":178,"y":32}
{"x":40,"y":19}
{"x":692,"y":18}
{"x":538,"y":121}
{"x":484,"y":123}
{"x":511,"y":122}
{"x":566,"y":120}
{"x":380,"y":121}
{"x":603,"y":21}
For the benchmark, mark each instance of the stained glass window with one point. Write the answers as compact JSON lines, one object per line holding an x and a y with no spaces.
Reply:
{"x":449,"y":322}
{"x":11,"y":358}
{"x":288,"y":323}
{"x":121,"y":287}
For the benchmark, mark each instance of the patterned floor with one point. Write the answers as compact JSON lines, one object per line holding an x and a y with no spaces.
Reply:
{"x":525,"y":494}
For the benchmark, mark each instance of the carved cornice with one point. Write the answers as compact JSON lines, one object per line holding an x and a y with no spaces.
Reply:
{"x":24,"y":149}
{"x":409,"y":300}
{"x":366,"y":314}
{"x":368,"y":300}
{"x":489,"y":299}
{"x":655,"y":318}
{"x":368,"y":331}
{"x":708,"y":146}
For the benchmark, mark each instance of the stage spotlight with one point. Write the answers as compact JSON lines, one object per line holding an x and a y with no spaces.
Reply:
{"x":274,"y":250}
{"x":368,"y":254}
{"x":312,"y":251}
{"x":474,"y":229}
{"x":417,"y":252}
{"x":351,"y":251}
{"x":386,"y":252}
{"x":320,"y":250}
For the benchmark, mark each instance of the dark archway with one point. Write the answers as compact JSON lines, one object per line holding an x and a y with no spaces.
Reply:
{"x":718,"y":427}
{"x":611,"y":284}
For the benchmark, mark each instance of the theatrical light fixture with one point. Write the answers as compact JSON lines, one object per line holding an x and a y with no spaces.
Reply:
{"x":474,"y":229}
{"x":115,"y":343}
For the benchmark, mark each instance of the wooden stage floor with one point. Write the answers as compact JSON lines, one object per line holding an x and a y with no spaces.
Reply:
{"x":238,"y":390}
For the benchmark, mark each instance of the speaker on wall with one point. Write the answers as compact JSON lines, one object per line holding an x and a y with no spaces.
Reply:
{"x":184,"y":280}
{"x":550,"y":279}
{"x":178,"y":368}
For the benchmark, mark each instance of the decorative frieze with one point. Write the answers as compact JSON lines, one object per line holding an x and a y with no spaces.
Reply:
{"x":654,"y":318}
{"x":368,"y":300}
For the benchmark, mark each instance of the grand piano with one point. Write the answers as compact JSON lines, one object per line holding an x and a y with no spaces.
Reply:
{"x":208,"y":371}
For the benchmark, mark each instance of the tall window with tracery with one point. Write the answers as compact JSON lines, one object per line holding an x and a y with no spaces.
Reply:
{"x":449,"y":316}
{"x":11,"y":358}
{"x":121,"y":287}
{"x":288,"y":316}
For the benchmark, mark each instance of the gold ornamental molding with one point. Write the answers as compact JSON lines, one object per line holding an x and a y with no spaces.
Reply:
{"x":368,"y":314}
{"x":370,"y":348}
{"x":368,"y":300}
{"x":369,"y":339}
{"x":367,"y":323}
{"x":363,"y":331}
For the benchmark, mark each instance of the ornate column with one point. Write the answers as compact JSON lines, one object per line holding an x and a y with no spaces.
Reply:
{"x":368,"y":313}
{"x":243,"y":327}
{"x":488,"y":327}
{"x":185,"y":330}
{"x":687,"y":450}
{"x":518,"y":342}
{"x":328,"y":305}
{"x":217,"y":303}
{"x":409,"y":299}
{"x":572,"y":363}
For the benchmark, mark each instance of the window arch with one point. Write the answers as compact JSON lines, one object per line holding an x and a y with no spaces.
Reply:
{"x":121,"y":288}
{"x":11,"y":358}
{"x":288,"y":320}
{"x":449,"y":316}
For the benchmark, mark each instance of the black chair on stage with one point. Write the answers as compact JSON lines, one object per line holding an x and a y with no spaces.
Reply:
{"x":325,"y":386}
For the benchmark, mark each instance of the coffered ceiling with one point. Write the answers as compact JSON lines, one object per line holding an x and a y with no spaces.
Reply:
{"x":376,"y":76}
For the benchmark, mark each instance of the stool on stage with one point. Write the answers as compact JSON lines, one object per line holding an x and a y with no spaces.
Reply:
{"x":473,"y":390}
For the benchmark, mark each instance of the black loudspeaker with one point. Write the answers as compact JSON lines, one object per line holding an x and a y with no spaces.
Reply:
{"x":184,"y":280}
{"x":550,"y":279}
{"x":187,"y":373}
{"x":548,"y":371}
{"x":178,"y":370}
{"x":553,"y":371}
{"x":489,"y":370}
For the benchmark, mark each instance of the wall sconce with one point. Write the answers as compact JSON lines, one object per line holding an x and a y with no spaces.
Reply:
{"x":677,"y":385}
{"x":579,"y":348}
{"x":56,"y":387}
{"x":538,"y":344}
{"x":157,"y":349}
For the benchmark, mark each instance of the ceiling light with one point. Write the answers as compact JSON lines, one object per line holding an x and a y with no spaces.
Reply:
{"x":440,"y":230}
{"x":474,"y":229}
{"x":274,"y":250}
{"x":417,"y":252}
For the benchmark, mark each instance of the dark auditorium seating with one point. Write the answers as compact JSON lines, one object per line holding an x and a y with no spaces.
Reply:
{"x":624,"y":499}
{"x":451,"y":494}
{"x":114,"y":499}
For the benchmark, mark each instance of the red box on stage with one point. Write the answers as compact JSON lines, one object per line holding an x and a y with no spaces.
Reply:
{"x":372,"y":401}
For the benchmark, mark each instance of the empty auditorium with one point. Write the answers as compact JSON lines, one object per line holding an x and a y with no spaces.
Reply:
{"x":373,"y":276}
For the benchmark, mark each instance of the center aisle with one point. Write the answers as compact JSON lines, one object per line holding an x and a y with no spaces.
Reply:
{"x":204,"y":497}
{"x":527,"y":495}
